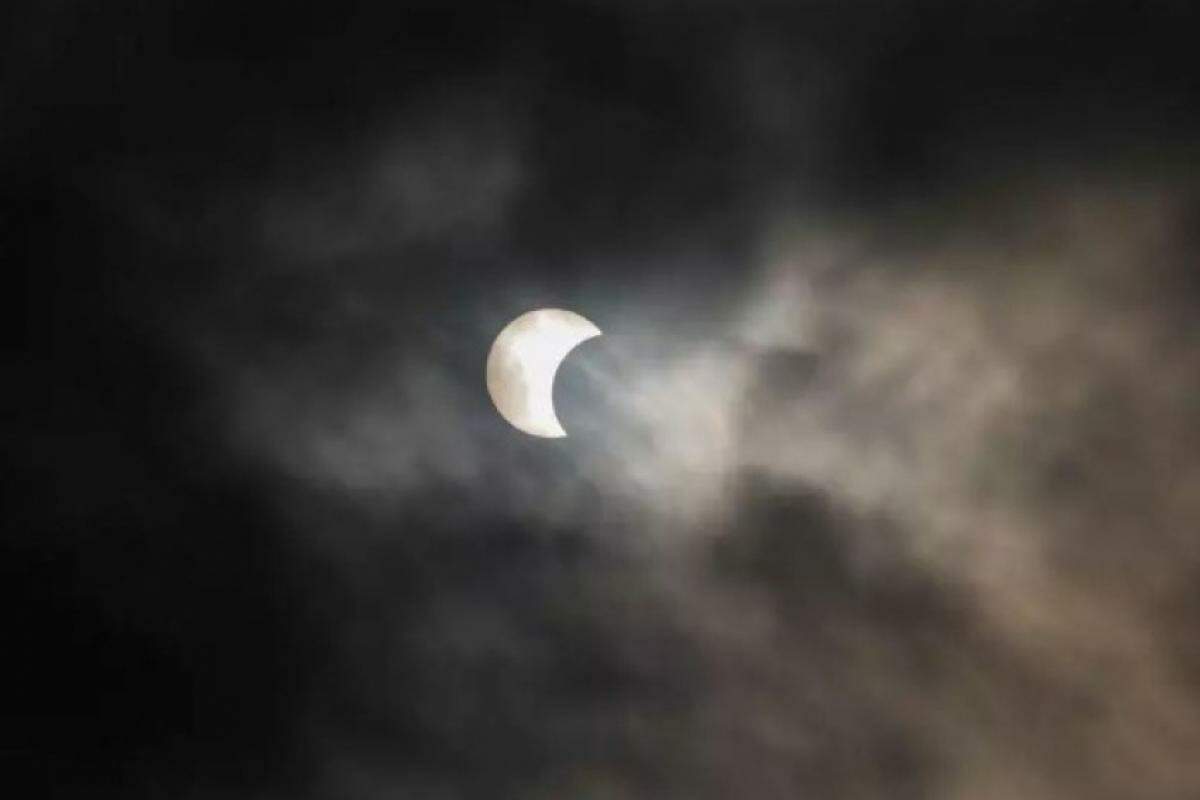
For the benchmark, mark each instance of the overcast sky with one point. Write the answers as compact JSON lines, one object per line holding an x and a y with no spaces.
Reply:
{"x":883,"y":483}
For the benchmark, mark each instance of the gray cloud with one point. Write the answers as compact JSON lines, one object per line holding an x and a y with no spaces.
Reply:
{"x":882,"y":483}
{"x":934,"y":566}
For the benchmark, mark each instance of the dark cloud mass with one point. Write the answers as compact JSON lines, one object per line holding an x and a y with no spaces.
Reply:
{"x":883,"y":483}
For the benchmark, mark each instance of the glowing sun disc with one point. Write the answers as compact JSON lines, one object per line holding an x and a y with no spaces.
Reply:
{"x":523,"y":362}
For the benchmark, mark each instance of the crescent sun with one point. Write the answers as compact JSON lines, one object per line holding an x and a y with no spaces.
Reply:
{"x":523,"y":362}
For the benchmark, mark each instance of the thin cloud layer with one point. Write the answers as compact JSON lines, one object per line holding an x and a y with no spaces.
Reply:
{"x":933,"y":562}
{"x":883,"y":482}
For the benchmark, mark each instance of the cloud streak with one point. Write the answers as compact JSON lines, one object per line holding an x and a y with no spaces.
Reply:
{"x":932,"y":563}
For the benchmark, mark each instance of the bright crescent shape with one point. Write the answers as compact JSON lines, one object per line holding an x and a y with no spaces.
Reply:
{"x":523,"y":362}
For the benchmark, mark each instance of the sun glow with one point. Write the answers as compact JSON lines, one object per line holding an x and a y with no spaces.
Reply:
{"x":523,"y":362}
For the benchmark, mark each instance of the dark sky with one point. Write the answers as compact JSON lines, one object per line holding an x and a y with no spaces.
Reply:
{"x":891,"y":488}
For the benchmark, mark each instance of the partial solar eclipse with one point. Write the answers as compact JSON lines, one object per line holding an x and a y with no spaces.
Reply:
{"x":523,"y":362}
